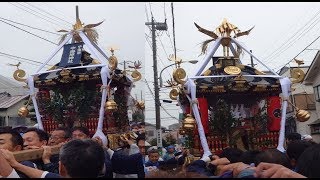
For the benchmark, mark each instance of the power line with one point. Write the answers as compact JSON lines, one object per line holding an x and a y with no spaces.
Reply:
{"x":16,"y":59}
{"x":39,"y":13}
{"x":29,"y":26}
{"x":35,"y":14}
{"x":6,"y":54}
{"x":164,"y":10}
{"x":292,"y":43}
{"x":160,"y":105}
{"x":301,"y":51}
{"x":47,"y":13}
{"x":146,"y":11}
{"x":158,"y":56}
{"x":286,"y":32}
{"x":29,"y":32}
{"x":58,"y":11}
{"x":162,"y":46}
{"x":290,"y":39}
{"x":150,"y":9}
{"x":173,"y":30}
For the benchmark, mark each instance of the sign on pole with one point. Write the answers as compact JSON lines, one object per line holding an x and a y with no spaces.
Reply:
{"x":130,"y":115}
{"x":159,"y":138}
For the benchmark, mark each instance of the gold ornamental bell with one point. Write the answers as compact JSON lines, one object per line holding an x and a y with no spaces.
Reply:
{"x":174,"y":94}
{"x":179,"y":74}
{"x":113,"y":62}
{"x":23,"y":112}
{"x":189,"y":122}
{"x":136,"y":75}
{"x":302,"y":115}
{"x":111,"y":106}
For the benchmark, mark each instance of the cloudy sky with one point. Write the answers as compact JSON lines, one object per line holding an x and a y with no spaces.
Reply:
{"x":282,"y":30}
{"x":123,"y":27}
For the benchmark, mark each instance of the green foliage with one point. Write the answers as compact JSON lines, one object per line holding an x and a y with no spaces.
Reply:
{"x":189,"y":140}
{"x":170,"y":139}
{"x":153,"y":142}
{"x":260,"y":120}
{"x":76,"y":97}
{"x":121,"y":117}
{"x":222,"y":120}
{"x":138,"y":116}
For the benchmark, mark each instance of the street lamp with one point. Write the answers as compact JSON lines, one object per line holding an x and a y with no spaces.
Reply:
{"x":160,"y":77}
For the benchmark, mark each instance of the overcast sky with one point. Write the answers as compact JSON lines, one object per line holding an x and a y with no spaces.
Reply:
{"x":282,"y":30}
{"x":123,"y":27}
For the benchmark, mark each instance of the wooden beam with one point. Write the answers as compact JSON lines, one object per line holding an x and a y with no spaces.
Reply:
{"x":33,"y":154}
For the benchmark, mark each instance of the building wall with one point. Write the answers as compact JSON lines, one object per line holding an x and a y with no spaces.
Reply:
{"x":299,"y":88}
{"x":12,"y":118}
{"x":302,"y":127}
{"x":316,"y":82}
{"x":150,"y":132}
{"x":174,"y":126}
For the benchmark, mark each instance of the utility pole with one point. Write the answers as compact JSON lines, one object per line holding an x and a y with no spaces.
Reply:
{"x":154,"y":27}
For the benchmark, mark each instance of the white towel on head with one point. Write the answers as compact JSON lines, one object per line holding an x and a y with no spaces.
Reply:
{"x":103,"y":137}
{"x":306,"y":137}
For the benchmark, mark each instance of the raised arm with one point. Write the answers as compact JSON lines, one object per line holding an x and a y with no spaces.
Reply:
{"x":5,"y":169}
{"x":9,"y":159}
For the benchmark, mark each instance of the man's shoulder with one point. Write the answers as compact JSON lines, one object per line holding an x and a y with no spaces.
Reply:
{"x":52,"y":175}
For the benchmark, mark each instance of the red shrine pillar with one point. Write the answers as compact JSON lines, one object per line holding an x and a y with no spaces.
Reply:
{"x":203,"y":110}
{"x":274,"y":113}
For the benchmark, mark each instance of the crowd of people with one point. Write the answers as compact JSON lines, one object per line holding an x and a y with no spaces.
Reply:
{"x":300,"y":160}
{"x":82,"y":156}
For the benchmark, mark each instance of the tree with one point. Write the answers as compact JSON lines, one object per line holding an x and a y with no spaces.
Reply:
{"x":223,"y":121}
{"x":138,"y":116}
{"x":170,"y":139}
{"x":153,"y":142}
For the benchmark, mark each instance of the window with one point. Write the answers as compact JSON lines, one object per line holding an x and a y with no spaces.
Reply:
{"x":150,"y":133}
{"x":315,"y":129}
{"x":316,"y":90}
{"x":304,"y":101}
{"x":291,"y":125}
{"x":17,"y":121}
{"x":2,"y":121}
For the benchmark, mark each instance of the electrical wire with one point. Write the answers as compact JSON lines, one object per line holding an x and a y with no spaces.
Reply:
{"x":48,"y":13}
{"x":30,"y":26}
{"x":291,"y":39}
{"x":300,"y":52}
{"x":34,"y":14}
{"x":6,"y":54}
{"x":29,"y":32}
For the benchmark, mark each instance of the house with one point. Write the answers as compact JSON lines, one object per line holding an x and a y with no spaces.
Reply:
{"x":12,"y":97}
{"x":175,"y":126}
{"x":312,"y":78}
{"x":9,"y":106}
{"x":151,"y":132}
{"x":302,"y":97}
